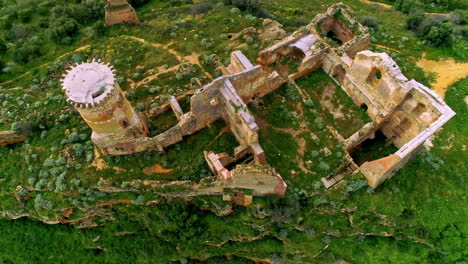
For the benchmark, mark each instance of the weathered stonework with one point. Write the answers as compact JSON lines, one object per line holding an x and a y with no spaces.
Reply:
{"x":92,"y":89}
{"x":405,"y":111}
{"x":120,"y":11}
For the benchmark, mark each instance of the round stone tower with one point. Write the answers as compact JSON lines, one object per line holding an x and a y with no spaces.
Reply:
{"x":92,"y":89}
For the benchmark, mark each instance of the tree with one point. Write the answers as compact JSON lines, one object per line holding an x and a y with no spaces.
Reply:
{"x":370,"y":21}
{"x":406,"y":6}
{"x":3,"y":46}
{"x":138,"y":3}
{"x":62,"y":28}
{"x":99,"y":29}
{"x":415,"y":18}
{"x":440,"y":34}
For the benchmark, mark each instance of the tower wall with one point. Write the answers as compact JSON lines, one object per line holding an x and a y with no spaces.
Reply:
{"x":92,"y":89}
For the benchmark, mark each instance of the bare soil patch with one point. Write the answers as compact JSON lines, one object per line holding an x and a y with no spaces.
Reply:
{"x":448,"y":72}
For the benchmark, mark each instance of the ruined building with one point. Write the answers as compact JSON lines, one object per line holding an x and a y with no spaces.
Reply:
{"x":92,"y":89}
{"x":405,"y":111}
{"x":120,"y":11}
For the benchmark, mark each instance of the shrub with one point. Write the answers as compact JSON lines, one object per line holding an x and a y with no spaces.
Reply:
{"x":3,"y":46}
{"x":309,"y":103}
{"x":440,"y":34}
{"x":206,"y":43}
{"x":73,"y":137}
{"x":201,"y":8}
{"x":370,"y":21}
{"x":41,"y":184}
{"x":140,"y":107}
{"x":235,"y":11}
{"x":179,"y":76}
{"x":76,"y":182}
{"x":22,"y":128}
{"x":155,"y":89}
{"x":249,"y":40}
{"x":406,"y":6}
{"x":78,"y":150}
{"x":99,"y":29}
{"x":131,"y":95}
{"x":136,"y":75}
{"x":324,"y":166}
{"x":415,"y":18}
{"x":459,"y":17}
{"x":209,"y":60}
{"x":31,"y":181}
{"x":62,"y":28}
{"x":138,"y":3}
{"x":223,"y":36}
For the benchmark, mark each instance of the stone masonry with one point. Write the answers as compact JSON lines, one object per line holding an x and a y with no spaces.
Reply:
{"x":120,"y":11}
{"x":405,"y":111}
{"x":92,"y":89}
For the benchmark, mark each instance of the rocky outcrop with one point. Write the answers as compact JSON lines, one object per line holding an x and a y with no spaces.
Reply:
{"x":10,"y":137}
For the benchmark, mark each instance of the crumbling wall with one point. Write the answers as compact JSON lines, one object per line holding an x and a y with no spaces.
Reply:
{"x":405,"y":111}
{"x":354,"y":38}
{"x":259,"y":179}
{"x":120,"y":11}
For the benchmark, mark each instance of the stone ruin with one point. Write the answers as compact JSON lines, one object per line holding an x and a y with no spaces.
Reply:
{"x":120,"y":11}
{"x":405,"y":111}
{"x":91,"y":87}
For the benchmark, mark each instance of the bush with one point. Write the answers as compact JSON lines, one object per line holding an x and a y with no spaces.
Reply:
{"x":138,"y":3}
{"x":209,"y":60}
{"x":25,"y":14}
{"x":22,"y":128}
{"x":156,"y":89}
{"x":99,"y":29}
{"x":406,"y":6}
{"x":235,"y":11}
{"x":415,"y":18}
{"x":440,"y":34}
{"x":78,"y":150}
{"x":61,"y":28}
{"x":459,"y":17}
{"x":206,"y":43}
{"x":370,"y":21}
{"x":3,"y":46}
{"x":309,"y":103}
{"x":201,"y":8}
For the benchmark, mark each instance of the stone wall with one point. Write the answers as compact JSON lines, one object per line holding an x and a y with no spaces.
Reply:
{"x":406,"y":112}
{"x":120,"y":11}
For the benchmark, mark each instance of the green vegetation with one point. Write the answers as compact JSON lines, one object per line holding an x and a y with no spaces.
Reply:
{"x":418,"y":216}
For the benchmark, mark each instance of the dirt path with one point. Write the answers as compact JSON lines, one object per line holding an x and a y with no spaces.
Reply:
{"x":377,"y":3}
{"x":448,"y":72}
{"x":387,"y":48}
{"x":193,"y":58}
{"x":387,"y":6}
{"x":156,"y":168}
{"x":45,"y":64}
